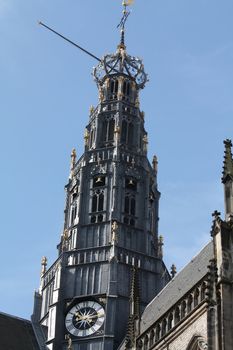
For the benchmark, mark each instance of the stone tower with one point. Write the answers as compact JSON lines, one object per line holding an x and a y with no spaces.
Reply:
{"x":88,"y":299}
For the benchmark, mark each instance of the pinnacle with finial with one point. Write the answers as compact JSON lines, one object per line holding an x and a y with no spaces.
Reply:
{"x":173,"y":270}
{"x":43,"y":265}
{"x":228,"y":162}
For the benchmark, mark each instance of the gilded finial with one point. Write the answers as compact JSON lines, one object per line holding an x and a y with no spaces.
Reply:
{"x":114,"y":231}
{"x":91,"y":109}
{"x":43,"y":265}
{"x":145,"y":142}
{"x":86,"y":137}
{"x":72,"y":162}
{"x":173,"y":270}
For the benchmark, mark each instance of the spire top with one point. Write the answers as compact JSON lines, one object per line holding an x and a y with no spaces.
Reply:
{"x":228,"y":161}
{"x":124,"y":18}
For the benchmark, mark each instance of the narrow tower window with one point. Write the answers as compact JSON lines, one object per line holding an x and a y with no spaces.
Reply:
{"x":97,"y":201}
{"x":126,"y":90}
{"x":113,"y":89}
{"x":127,"y":132}
{"x":108,"y":130}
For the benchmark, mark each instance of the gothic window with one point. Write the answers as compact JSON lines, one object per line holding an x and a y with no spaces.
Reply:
{"x":113,"y":89}
{"x":130,"y":201}
{"x":197,"y":343}
{"x":108,"y":130}
{"x":97,"y":201}
{"x":126,"y":90}
{"x":127,"y":132}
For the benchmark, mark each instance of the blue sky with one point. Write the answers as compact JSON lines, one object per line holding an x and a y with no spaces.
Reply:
{"x":46,"y":89}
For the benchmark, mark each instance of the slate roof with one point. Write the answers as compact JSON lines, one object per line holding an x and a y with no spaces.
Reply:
{"x":190,"y":275}
{"x":16,"y":333}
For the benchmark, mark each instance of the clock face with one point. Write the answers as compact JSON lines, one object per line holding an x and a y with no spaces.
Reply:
{"x":85,"y":318}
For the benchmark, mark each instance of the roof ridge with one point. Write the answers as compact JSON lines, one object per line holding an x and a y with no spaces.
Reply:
{"x":15,"y":317}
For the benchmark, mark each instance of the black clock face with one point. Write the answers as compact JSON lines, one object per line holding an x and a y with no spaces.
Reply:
{"x":85,"y":318}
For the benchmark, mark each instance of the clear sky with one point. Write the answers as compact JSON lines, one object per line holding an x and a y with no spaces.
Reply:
{"x":46,"y":89}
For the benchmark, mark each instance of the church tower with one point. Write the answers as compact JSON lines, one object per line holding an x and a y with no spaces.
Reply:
{"x":110,"y":238}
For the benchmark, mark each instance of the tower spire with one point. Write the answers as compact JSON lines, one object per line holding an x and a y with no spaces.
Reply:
{"x":227,"y":179}
{"x":124,"y":18}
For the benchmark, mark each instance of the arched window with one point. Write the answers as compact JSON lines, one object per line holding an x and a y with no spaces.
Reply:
{"x":97,"y":201}
{"x":108,"y":130}
{"x":197,"y":343}
{"x":113,"y":89}
{"x":127,"y":132}
{"x":126,"y":90}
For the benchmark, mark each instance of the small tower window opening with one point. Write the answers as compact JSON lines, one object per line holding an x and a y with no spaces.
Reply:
{"x":127,"y":132}
{"x":92,"y":137}
{"x":113,"y":89}
{"x":73,"y":213}
{"x":126,"y":90}
{"x":131,"y":184}
{"x":108,"y":130}
{"x":99,"y":181}
{"x":130,"y":205}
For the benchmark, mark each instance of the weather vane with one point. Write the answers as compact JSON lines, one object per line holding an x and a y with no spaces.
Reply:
{"x":125,"y":13}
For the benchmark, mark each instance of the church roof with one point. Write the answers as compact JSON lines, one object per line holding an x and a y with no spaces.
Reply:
{"x":16,"y":333}
{"x":190,"y":275}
